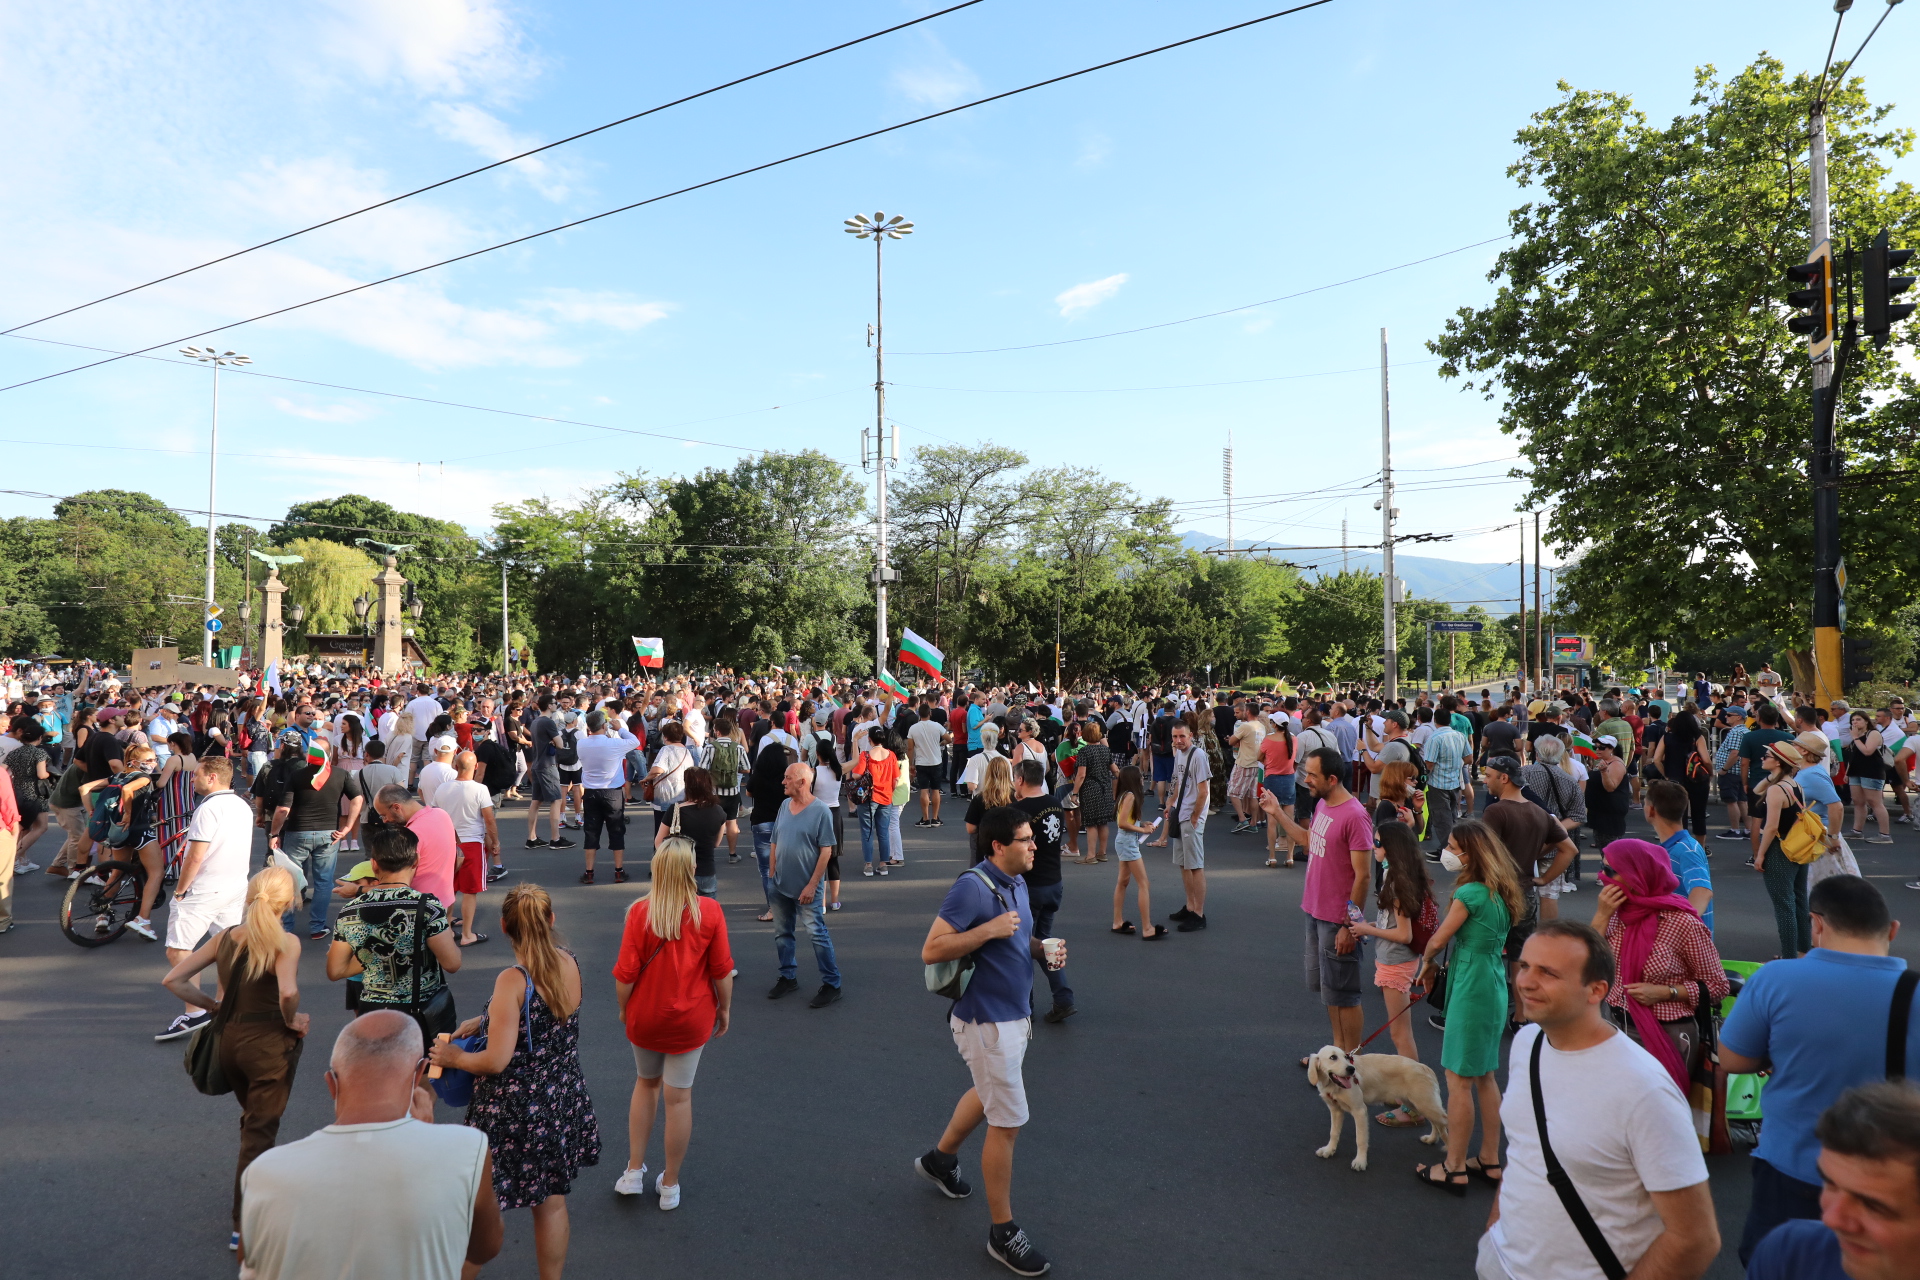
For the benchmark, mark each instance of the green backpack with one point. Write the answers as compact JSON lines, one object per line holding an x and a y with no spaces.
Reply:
{"x":725,"y":766}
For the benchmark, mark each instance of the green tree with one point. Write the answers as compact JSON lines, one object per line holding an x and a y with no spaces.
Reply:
{"x":326,"y":582}
{"x":1637,"y":343}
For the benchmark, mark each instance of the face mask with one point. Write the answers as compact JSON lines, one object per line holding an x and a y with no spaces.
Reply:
{"x":1452,"y":862}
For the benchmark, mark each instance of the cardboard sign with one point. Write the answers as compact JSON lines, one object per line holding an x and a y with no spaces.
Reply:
{"x":152,"y":667}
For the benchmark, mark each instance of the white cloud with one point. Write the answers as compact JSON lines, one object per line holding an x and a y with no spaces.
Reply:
{"x":434,"y":46}
{"x":1259,"y":322}
{"x":489,"y":135}
{"x":322,"y":412}
{"x":617,"y":311}
{"x":447,"y":491}
{"x":1085,"y":297}
{"x":938,"y":82}
{"x":1094,"y":151}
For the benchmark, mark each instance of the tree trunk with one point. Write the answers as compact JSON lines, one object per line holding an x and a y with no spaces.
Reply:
{"x":1800,"y":670}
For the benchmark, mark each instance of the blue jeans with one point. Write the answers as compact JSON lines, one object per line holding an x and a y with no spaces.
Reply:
{"x":785,"y":910}
{"x":762,"y":852}
{"x":313,"y":853}
{"x":1777,"y":1197}
{"x":708,"y":886}
{"x":876,"y":828}
{"x":1045,"y":899}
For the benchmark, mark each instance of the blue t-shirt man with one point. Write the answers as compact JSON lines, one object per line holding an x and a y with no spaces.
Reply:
{"x":1802,"y":1250}
{"x":1690,"y":865}
{"x":1001,"y":989}
{"x":798,"y":839}
{"x":1820,"y":1022}
{"x":976,"y":715}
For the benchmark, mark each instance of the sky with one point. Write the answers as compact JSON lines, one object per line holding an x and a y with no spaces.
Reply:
{"x":1322,"y":146}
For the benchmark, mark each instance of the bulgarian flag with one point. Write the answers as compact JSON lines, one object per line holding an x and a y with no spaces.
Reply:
{"x":651,"y":649}
{"x":893,"y":686}
{"x":917,"y":651}
{"x":1583,"y":746}
{"x":317,"y":758}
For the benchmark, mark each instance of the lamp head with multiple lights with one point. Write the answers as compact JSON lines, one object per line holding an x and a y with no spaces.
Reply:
{"x":862,"y":227}
{"x":207,"y":355}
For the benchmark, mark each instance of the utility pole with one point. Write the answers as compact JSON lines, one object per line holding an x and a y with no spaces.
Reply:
{"x":506,"y":642}
{"x":1827,"y":662}
{"x":1386,"y":526}
{"x":886,"y":443}
{"x":1226,"y":486}
{"x":1540,"y":669}
{"x":1520,"y":633}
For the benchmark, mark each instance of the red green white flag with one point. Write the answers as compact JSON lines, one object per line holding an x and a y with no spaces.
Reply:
{"x":915,"y":649}
{"x":652,"y":650}
{"x":893,"y":686}
{"x":317,"y":758}
{"x":1583,"y":746}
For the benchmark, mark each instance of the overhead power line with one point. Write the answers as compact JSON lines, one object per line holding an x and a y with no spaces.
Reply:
{"x":458,"y":177}
{"x":738,"y":173}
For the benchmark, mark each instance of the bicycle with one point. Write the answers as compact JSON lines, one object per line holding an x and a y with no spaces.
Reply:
{"x":99,"y":905}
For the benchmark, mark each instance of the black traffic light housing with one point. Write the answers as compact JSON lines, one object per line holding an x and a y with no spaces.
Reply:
{"x":1879,"y":286}
{"x":1857,"y":668}
{"x":1815,"y":297}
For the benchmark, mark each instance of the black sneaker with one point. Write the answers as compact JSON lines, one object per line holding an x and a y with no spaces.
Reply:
{"x":1731,"y":835}
{"x":937,"y":822}
{"x":1181,"y":914}
{"x":536,"y":843}
{"x":188,"y":1023}
{"x":1192,"y":924}
{"x":586,"y":877}
{"x":561,"y":843}
{"x":923,"y":823}
{"x":1061,"y":1012}
{"x":1438,"y":1021}
{"x":1433,"y":856}
{"x":825,"y":996}
{"x":619,"y":875}
{"x":783,"y":987}
{"x":1008,"y":1245}
{"x":495,"y":873}
{"x":943,"y":1171}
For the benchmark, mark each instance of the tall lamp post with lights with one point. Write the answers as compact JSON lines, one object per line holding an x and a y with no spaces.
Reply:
{"x":885,"y":443}
{"x":218,"y":359}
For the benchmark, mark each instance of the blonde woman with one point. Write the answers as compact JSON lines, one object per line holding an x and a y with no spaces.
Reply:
{"x":996,"y":792}
{"x":259,"y":995}
{"x":530,"y":1097}
{"x":674,"y":985}
{"x":400,"y":747}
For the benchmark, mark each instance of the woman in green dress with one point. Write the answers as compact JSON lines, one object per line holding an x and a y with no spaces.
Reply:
{"x":1486,"y":899}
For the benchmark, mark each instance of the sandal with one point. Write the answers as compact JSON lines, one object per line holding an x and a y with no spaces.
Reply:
{"x":1445,"y":1182}
{"x":1400,"y":1117}
{"x":764,"y":919}
{"x":1159,"y":934}
{"x":474,"y":941}
{"x":1125,"y":926}
{"x":1274,"y":862}
{"x":1486,"y":1171}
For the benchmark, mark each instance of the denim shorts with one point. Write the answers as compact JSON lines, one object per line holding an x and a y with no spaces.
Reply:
{"x":1282,"y":786}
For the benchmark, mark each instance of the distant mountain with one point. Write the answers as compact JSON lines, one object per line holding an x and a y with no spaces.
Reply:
{"x":1493,"y":586}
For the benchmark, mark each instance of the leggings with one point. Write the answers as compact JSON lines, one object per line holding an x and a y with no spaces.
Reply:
{"x":1787,"y":886}
{"x":1698,"y":792}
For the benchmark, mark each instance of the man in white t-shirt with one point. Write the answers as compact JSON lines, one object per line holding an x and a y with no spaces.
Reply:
{"x":440,"y":772}
{"x":212,"y":893}
{"x":927,"y":737}
{"x":470,"y":805}
{"x":1616,"y":1122}
{"x":381,"y":1190}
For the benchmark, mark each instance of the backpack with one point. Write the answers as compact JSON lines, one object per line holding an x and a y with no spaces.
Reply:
{"x":568,"y":756}
{"x":1419,"y":763}
{"x":116,"y":819}
{"x":725,"y":766}
{"x":860,"y":788}
{"x":1424,"y":927}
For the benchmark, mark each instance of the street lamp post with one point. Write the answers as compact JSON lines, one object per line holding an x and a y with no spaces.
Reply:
{"x":207,"y":355}
{"x":886,"y":444}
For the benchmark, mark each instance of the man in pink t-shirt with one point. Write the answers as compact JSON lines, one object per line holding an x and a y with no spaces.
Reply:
{"x":1339,"y":853}
{"x":439,"y":846}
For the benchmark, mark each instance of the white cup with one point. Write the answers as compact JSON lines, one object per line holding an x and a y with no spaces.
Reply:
{"x":1055,"y":951}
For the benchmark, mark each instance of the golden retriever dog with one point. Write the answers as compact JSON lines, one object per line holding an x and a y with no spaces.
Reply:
{"x":1348,"y":1083}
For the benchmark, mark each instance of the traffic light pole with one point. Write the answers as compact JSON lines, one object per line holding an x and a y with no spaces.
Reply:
{"x":1825,"y":463}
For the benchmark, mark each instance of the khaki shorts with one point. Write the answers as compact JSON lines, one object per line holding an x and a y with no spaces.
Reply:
{"x":1190,"y":849}
{"x":994,"y":1052}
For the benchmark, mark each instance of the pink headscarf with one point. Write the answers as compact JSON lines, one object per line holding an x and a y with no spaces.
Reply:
{"x":9,"y":807}
{"x":1644,"y":872}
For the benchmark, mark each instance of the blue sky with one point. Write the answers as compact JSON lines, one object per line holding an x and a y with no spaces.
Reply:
{"x":1318,"y":147}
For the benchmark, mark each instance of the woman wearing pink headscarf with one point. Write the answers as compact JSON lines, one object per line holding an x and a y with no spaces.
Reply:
{"x":1667,"y":957}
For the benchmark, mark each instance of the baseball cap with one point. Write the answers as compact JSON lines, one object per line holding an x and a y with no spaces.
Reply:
{"x":1607,"y":740}
{"x":1504,"y":764}
{"x":362,"y":871}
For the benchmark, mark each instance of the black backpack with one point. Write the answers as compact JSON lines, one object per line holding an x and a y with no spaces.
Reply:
{"x":568,"y":756}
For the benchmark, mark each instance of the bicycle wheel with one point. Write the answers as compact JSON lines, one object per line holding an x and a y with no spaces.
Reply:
{"x":93,"y":915}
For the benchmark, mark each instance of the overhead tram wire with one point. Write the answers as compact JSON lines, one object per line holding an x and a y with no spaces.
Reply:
{"x":698,"y":186}
{"x":458,"y":177}
{"x":1180,"y":386}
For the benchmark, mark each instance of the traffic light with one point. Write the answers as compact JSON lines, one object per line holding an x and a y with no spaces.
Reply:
{"x":1855,"y":667}
{"x":1816,"y":298}
{"x":1880,"y":286}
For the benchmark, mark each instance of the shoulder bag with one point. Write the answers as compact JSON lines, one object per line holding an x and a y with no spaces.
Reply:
{"x":1563,"y":1185}
{"x":203,"y":1053}
{"x":1806,"y":839}
{"x":437,"y":1016}
{"x":949,"y":979}
{"x":455,"y":1084}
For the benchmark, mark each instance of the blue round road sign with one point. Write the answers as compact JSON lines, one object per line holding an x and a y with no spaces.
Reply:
{"x":214,"y":624}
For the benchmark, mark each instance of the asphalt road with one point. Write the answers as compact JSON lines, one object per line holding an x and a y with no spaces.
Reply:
{"x":1171,"y":1128}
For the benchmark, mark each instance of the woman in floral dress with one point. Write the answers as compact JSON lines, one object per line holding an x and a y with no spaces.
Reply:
{"x":529,"y":1097}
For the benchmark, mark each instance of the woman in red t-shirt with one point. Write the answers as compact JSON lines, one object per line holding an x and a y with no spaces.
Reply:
{"x":674,"y":985}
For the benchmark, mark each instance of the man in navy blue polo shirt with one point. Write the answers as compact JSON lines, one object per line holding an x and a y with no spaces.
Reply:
{"x":1820,"y":1023}
{"x":987,"y":915}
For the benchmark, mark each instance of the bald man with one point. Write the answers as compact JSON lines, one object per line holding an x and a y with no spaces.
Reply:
{"x":802,"y":844}
{"x":380,"y":1191}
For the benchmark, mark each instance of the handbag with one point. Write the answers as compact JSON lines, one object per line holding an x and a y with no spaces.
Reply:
{"x":1563,"y":1185}
{"x":203,"y":1054}
{"x":437,"y":1016}
{"x":1806,"y":839}
{"x":455,"y":1084}
{"x":949,"y":979}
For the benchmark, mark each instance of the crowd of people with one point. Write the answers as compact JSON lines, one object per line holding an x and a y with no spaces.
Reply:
{"x":1608,"y":1024}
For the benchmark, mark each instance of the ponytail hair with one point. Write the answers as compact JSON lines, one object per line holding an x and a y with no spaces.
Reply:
{"x":269,"y":895}
{"x":527,"y":916}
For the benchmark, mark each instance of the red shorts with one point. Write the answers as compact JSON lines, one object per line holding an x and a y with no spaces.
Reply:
{"x":471,"y":875}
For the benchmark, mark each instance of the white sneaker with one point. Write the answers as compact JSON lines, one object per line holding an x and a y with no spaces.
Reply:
{"x":22,"y":868}
{"x":144,"y":927}
{"x":669,"y":1196}
{"x":632,"y":1182}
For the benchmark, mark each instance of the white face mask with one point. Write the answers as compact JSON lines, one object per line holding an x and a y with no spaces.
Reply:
{"x":1452,"y":862}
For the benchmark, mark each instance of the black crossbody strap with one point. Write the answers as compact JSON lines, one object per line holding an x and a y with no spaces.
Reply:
{"x":1897,"y":1019}
{"x":419,"y":947}
{"x":1563,"y":1185}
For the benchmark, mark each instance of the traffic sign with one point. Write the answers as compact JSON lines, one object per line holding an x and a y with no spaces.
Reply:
{"x":214,"y":611}
{"x":1458,"y":626}
{"x":214,"y":625}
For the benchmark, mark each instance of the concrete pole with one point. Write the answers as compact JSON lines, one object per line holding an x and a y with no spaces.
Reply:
{"x":1392,"y":656}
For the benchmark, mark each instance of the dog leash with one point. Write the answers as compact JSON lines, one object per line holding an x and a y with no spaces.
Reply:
{"x":1390,"y":1021}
